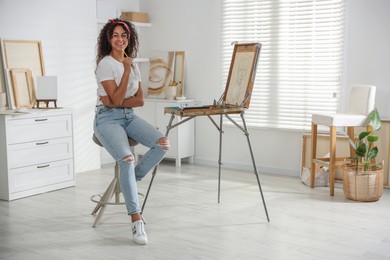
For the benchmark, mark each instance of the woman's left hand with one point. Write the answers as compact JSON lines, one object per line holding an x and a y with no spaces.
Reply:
{"x":105,"y":100}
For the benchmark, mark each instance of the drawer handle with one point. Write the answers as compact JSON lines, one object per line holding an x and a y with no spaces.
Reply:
{"x":42,"y":143}
{"x":39,"y":120}
{"x":43,"y":166}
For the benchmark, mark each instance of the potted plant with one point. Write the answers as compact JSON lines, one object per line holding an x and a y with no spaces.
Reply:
{"x":363,"y":179}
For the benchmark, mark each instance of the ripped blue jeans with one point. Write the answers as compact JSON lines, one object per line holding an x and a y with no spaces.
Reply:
{"x":112,"y":126}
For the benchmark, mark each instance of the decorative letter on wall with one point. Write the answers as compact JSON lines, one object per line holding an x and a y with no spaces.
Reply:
{"x":165,"y":67}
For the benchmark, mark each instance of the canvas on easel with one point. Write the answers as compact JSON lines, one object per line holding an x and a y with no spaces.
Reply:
{"x":242,"y":74}
{"x":239,"y":85}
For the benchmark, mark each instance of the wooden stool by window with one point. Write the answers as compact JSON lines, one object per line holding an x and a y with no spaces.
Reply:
{"x":361,"y":103}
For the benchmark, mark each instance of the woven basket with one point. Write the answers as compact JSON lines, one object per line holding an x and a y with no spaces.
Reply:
{"x":363,"y":186}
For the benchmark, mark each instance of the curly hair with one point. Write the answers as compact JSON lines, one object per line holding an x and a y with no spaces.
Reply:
{"x":103,"y":43}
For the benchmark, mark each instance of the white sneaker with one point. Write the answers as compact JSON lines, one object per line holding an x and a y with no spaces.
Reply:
{"x":139,"y":234}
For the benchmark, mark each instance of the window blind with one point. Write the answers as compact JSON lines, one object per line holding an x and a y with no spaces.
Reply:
{"x":301,"y":60}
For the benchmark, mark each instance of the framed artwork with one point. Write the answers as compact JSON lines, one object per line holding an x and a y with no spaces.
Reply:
{"x":242,"y":74}
{"x":24,"y":54}
{"x":179,"y":72}
{"x":160,"y":73}
{"x":22,"y":87}
{"x":18,"y":54}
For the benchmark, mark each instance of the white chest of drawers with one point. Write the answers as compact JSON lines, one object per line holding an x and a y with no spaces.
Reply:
{"x":36,"y":153}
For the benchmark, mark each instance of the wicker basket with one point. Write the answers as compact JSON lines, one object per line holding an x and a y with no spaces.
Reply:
{"x":363,"y":186}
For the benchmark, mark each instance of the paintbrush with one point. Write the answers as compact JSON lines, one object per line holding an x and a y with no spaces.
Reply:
{"x":126,"y":56}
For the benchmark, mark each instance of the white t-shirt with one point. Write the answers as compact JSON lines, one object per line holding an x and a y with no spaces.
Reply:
{"x":111,"y":69}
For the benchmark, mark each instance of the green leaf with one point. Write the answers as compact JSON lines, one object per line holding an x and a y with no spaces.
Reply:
{"x":372,"y":153}
{"x":372,"y":138}
{"x":361,"y":150}
{"x":363,"y":134}
{"x":375,"y":120}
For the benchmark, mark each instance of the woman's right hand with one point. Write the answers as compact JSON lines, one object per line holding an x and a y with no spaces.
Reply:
{"x":127,"y":62}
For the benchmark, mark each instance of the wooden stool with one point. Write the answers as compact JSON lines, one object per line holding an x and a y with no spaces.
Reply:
{"x":361,"y":103}
{"x":112,"y":189}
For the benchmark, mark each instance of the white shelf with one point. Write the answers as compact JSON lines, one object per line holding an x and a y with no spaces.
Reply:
{"x":137,"y":24}
{"x":141,"y":60}
{"x":141,"y":24}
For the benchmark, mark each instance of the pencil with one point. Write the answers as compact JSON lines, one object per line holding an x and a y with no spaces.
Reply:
{"x":126,"y":56}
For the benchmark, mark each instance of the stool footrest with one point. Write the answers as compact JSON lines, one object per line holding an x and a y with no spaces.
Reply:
{"x":99,"y":200}
{"x":326,"y":162}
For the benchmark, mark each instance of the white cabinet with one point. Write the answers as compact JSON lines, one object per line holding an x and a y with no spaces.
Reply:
{"x":36,"y":152}
{"x":181,"y":138}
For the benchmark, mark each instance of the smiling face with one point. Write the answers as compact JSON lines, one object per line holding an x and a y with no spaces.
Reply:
{"x":120,"y":39}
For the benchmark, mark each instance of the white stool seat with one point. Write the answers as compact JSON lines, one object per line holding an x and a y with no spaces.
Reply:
{"x":340,"y":120}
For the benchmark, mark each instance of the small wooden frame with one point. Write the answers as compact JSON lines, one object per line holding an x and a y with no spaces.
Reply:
{"x":179,"y":72}
{"x":22,"y":87}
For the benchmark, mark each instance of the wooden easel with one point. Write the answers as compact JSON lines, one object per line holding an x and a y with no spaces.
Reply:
{"x":235,"y":100}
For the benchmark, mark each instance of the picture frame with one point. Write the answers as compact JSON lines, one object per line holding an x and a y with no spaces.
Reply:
{"x":24,"y":54}
{"x":18,"y":54}
{"x":179,"y":72}
{"x":22,"y":88}
{"x":242,"y":73}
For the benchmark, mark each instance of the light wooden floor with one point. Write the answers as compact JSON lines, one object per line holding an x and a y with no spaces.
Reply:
{"x":184,"y":220}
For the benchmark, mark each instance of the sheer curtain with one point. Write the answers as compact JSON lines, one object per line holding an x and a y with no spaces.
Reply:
{"x":301,"y":61}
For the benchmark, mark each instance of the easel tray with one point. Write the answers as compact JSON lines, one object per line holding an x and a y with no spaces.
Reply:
{"x":203,"y":111}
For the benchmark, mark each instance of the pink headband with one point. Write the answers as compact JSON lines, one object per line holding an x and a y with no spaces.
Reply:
{"x":120,"y":22}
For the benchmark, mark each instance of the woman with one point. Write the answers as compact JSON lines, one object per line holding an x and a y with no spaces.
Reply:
{"x":119,"y":90}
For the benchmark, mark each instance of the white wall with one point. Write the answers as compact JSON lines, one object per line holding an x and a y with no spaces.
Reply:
{"x":368,"y":48}
{"x":67,"y":30}
{"x":194,"y":26}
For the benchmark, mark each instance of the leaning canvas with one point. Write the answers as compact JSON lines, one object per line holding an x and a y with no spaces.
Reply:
{"x":160,"y":73}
